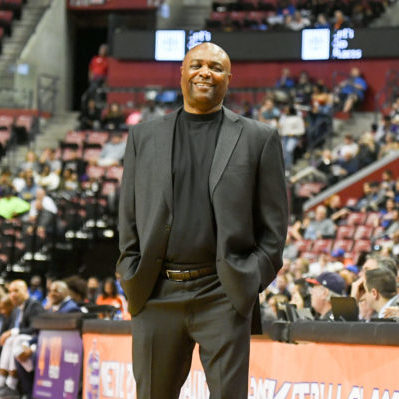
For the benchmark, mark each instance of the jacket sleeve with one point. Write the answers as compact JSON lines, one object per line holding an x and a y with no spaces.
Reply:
{"x":34,"y":310}
{"x":128,"y":237}
{"x":272,"y":211}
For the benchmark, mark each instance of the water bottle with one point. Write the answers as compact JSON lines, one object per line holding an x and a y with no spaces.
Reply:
{"x":93,"y":373}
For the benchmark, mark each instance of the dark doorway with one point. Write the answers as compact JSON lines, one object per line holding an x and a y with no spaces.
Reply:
{"x":87,"y":42}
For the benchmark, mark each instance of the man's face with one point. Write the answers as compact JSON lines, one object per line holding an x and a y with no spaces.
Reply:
{"x":18,"y":293}
{"x":205,"y":76}
{"x":57,"y":294}
{"x":318,"y":297}
{"x":370,"y":297}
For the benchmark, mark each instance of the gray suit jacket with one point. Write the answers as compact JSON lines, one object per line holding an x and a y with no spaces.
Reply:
{"x":248,"y":194}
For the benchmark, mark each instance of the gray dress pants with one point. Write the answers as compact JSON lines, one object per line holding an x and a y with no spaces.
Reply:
{"x":178,"y":315}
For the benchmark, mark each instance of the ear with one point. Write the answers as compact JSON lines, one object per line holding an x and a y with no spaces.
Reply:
{"x":375,"y":293}
{"x":181,"y":69}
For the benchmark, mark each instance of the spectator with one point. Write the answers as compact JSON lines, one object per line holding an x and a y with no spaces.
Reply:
{"x":284,"y":86}
{"x":13,"y":339}
{"x":268,"y":112}
{"x":321,"y":226}
{"x":43,"y":209}
{"x":321,"y":22}
{"x":298,"y":22}
{"x":110,"y":296}
{"x":47,"y":179}
{"x":98,"y":67}
{"x":113,"y":118}
{"x":30,"y":162}
{"x":49,"y":157}
{"x":292,"y":128}
{"x":352,"y":90}
{"x":303,"y":89}
{"x":349,"y":146}
{"x":60,"y":300}
{"x":113,"y":151}
{"x":10,"y":205}
{"x":384,"y":127}
{"x":35,"y":288}
{"x":8,"y":313}
{"x":90,"y":117}
{"x":69,"y":181}
{"x":324,"y":286}
{"x":28,"y":193}
{"x":372,"y":198}
{"x":391,"y":146}
{"x":151,"y":111}
{"x":77,"y":287}
{"x":380,"y":290}
{"x":93,"y":289}
{"x":340,"y":21}
{"x":301,"y":297}
{"x":368,"y":150}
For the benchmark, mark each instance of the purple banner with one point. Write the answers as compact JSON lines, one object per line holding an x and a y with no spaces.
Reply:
{"x":58,"y":365}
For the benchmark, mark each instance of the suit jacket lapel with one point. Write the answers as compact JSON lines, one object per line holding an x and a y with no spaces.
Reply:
{"x":228,"y":137}
{"x":164,"y":148}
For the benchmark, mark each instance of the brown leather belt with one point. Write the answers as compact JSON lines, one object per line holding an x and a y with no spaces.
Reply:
{"x":171,"y":272}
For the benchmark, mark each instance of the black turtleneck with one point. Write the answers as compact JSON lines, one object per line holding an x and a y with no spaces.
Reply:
{"x":193,"y":234}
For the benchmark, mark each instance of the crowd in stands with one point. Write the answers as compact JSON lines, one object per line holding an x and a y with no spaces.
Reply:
{"x":20,"y":304}
{"x":293,"y":15}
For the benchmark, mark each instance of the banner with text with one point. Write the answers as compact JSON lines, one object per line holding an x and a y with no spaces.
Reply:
{"x":277,"y":371}
{"x":58,"y":365}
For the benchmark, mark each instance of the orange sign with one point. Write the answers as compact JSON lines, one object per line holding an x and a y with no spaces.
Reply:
{"x":277,"y":371}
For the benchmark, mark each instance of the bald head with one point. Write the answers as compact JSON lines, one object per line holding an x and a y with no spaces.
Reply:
{"x":58,"y":292}
{"x":210,"y":48}
{"x":205,"y":76}
{"x":6,"y":306}
{"x":18,"y":291}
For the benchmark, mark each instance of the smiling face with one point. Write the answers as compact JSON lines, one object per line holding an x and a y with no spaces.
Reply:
{"x":205,"y":76}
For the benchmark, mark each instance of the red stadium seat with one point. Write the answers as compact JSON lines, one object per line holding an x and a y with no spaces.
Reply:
{"x":362,"y":246}
{"x":109,"y":187}
{"x":114,"y":172}
{"x":346,"y":245}
{"x":322,"y":245}
{"x":363,"y":233}
{"x":356,"y":218}
{"x":4,"y":136}
{"x":6,"y":122}
{"x":345,"y":232}
{"x":75,"y":137}
{"x":304,"y":245}
{"x":373,"y":219}
{"x":95,"y":172}
{"x":97,"y":137}
{"x":91,"y":154}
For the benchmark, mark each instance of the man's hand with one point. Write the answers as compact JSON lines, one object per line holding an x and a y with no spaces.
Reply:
{"x":4,"y":337}
{"x":357,"y":289}
{"x":392,"y":311}
{"x":25,"y":354}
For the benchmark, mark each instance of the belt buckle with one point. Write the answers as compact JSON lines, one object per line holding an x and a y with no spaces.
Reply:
{"x":169,"y":272}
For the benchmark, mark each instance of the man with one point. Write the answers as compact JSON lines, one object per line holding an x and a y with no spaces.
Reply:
{"x":202,"y":220}
{"x":381,"y":292}
{"x":60,"y":302}
{"x":13,"y":338}
{"x":323,"y":287}
{"x":113,"y":151}
{"x":321,"y":226}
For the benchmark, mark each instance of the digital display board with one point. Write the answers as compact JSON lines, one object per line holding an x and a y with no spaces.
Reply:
{"x":170,"y":45}
{"x":316,"y":45}
{"x":310,"y":44}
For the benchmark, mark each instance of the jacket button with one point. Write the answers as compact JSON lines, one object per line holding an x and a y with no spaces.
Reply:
{"x":168,"y":227}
